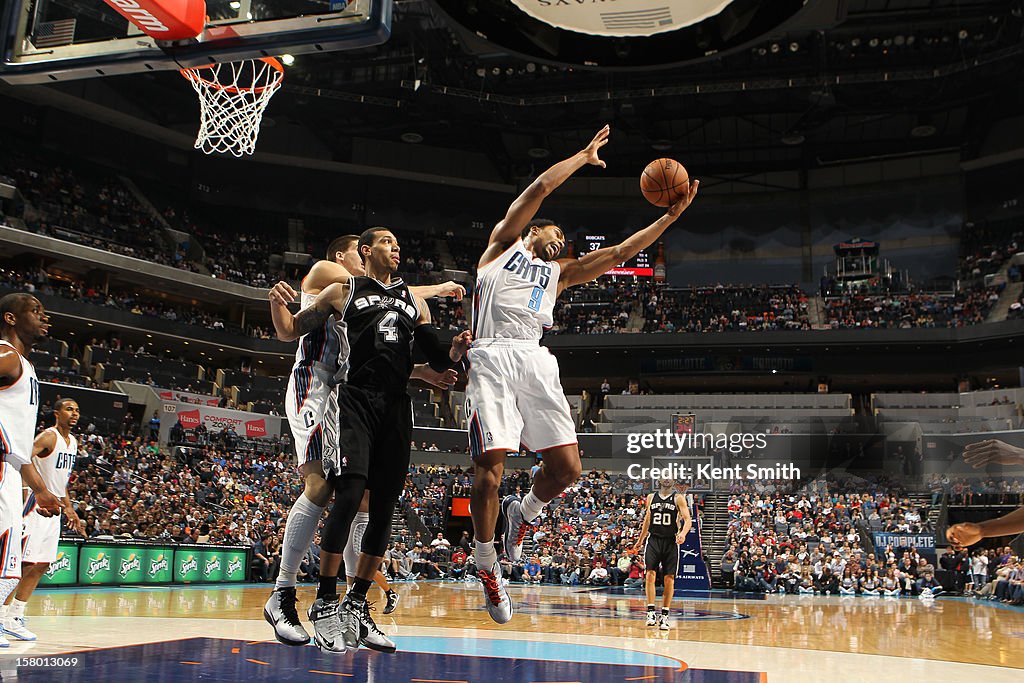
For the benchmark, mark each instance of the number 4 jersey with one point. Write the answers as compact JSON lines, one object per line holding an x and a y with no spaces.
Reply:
{"x":515,"y":296}
{"x":381,"y":320}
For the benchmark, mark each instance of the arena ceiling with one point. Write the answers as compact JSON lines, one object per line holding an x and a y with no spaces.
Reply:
{"x":837,"y":80}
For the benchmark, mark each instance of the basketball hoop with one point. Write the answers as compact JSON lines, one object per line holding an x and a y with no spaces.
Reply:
{"x":232,"y":98}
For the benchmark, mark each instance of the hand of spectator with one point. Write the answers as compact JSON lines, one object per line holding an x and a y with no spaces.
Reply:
{"x":964,"y":534}
{"x":282,"y":294}
{"x":681,"y":205}
{"x":992,"y":451}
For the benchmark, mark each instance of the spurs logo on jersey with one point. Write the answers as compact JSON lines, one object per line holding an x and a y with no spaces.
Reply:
{"x":381,"y":319}
{"x":664,"y":515}
{"x":55,"y":468}
{"x":515,"y":296}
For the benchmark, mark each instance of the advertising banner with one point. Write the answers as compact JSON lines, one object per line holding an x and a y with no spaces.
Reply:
{"x":199,"y":565}
{"x":924,"y":543}
{"x":63,"y":571}
{"x":693,"y":574}
{"x":246,"y":425}
{"x":124,"y":564}
{"x":187,"y":397}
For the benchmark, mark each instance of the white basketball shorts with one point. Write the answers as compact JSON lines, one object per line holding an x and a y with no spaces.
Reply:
{"x":42,"y":534}
{"x":311,"y":405}
{"x":11,"y":521}
{"x":515,"y":396}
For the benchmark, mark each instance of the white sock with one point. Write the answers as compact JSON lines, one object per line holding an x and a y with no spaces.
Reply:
{"x":485,"y":554}
{"x":7,"y":586}
{"x":17,"y":608}
{"x":298,"y":534}
{"x":531,"y":506}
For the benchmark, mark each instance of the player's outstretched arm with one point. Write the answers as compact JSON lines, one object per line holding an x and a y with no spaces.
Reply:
{"x":596,"y":263}
{"x":526,"y":205}
{"x":328,"y":301}
{"x":969,"y":533}
{"x":990,"y":451}
{"x":426,"y":340}
{"x":447,"y":289}
{"x":441,"y":380}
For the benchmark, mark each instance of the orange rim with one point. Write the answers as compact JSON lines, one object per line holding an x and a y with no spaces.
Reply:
{"x":192,"y":74}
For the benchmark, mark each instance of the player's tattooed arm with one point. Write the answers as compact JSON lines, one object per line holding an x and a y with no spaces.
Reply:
{"x":327,"y":302}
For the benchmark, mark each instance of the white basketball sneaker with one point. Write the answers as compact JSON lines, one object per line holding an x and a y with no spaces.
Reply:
{"x":652,"y":617}
{"x":15,"y":626}
{"x":3,"y":641}
{"x":280,"y":613}
{"x":515,"y":527}
{"x":664,"y":623}
{"x":499,"y":604}
{"x":327,"y":632}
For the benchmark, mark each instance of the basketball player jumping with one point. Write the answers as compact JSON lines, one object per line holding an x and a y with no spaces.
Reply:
{"x":53,"y":454}
{"x":514,"y":394}
{"x":667,"y":530}
{"x":24,"y":323}
{"x":311,"y":408}
{"x":383,"y":320}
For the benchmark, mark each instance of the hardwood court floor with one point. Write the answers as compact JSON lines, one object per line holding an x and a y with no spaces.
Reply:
{"x":557,"y":634}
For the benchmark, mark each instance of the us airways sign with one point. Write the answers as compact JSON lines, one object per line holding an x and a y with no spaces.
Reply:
{"x":621,"y":17}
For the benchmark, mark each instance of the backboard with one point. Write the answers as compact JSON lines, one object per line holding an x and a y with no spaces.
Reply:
{"x":54,"y":40}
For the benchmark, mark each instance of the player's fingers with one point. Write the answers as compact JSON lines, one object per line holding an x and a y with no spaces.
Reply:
{"x":977,"y":444}
{"x":693,"y":190}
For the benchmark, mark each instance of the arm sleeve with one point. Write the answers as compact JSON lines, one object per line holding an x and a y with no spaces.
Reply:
{"x":426,"y":340}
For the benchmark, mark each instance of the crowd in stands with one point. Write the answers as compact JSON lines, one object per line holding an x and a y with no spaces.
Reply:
{"x":809,"y":540}
{"x":725,"y":308}
{"x":985,"y":248}
{"x":968,"y":307}
{"x":978,"y":491}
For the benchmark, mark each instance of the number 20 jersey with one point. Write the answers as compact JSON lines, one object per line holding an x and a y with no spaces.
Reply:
{"x":381,"y":320}
{"x":515,"y":296}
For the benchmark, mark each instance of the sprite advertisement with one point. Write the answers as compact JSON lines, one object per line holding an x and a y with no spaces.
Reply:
{"x":63,"y":571}
{"x":205,"y":566}
{"x":115,"y":564}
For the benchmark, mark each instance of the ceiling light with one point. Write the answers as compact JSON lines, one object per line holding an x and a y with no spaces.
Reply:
{"x":793,"y":139}
{"x":531,"y":67}
{"x":234,"y":4}
{"x":412,"y":138}
{"x":775,"y":48}
{"x":661,"y":145}
{"x":899,"y":40}
{"x":538,"y":152}
{"x":794,"y":46}
{"x":855,"y":42}
{"x":963,"y":34}
{"x":481,"y":72}
{"x":873,"y":42}
{"x":287,"y":60}
{"x":923,"y":130}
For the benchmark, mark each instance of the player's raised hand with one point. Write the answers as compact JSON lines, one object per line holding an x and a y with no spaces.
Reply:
{"x":282,"y":294}
{"x":461,"y":343}
{"x":964,"y":534}
{"x":992,"y":451}
{"x":681,"y":205}
{"x":599,"y":141}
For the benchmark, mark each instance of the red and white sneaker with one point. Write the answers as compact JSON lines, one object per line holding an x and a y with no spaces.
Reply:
{"x":499,"y":604}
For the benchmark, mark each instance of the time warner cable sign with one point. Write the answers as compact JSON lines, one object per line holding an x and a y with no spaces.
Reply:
{"x":618,"y":18}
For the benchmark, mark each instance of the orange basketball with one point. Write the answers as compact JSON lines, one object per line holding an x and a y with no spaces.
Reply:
{"x":664,"y":182}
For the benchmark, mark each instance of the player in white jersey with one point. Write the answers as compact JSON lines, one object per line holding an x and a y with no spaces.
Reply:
{"x":514,"y":395}
{"x":53,"y":454}
{"x":23,"y":322}
{"x":321,"y":361}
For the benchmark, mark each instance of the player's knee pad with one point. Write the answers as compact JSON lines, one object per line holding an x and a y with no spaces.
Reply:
{"x":378,"y":528}
{"x":348,"y":492}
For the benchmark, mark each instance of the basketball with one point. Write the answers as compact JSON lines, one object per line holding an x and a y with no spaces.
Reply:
{"x":664,"y":182}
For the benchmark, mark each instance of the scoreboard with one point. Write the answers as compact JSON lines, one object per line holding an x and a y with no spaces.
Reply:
{"x":641,"y":265}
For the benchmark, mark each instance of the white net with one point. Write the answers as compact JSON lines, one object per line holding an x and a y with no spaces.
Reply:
{"x":232,"y":99}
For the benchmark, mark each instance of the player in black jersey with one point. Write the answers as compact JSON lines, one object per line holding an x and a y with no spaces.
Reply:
{"x":667,"y":521}
{"x":385,"y":320}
